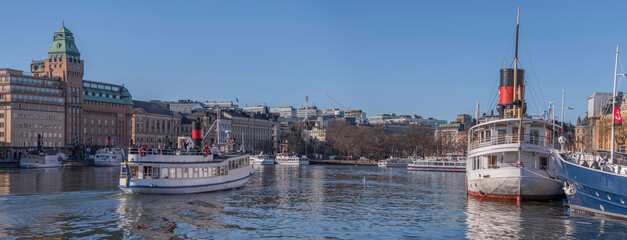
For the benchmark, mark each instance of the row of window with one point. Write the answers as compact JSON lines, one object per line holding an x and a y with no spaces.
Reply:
{"x":86,"y":93}
{"x":30,"y":81}
{"x":150,"y":172}
{"x":36,"y":98}
{"x":34,"y":134}
{"x":35,"y":107}
{"x":36,"y":116}
{"x":34,"y":144}
{"x":36,"y":126}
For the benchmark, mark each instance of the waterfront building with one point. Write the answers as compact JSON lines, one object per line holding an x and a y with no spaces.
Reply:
{"x":597,"y":103}
{"x":284,"y":112}
{"x":30,"y":106}
{"x":252,"y":133}
{"x":95,"y":112}
{"x":154,"y":124}
{"x":107,"y":114}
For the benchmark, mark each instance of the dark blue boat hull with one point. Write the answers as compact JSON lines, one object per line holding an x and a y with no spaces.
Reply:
{"x":596,"y":191}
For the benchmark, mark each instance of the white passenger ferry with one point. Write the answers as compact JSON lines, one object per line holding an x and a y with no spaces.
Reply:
{"x":181,"y":171}
{"x":261,"y":159}
{"x":291,"y":159}
{"x":439,"y":164}
{"x":109,"y":157}
{"x":508,"y":155}
{"x":41,"y":160}
{"x":394,"y":162}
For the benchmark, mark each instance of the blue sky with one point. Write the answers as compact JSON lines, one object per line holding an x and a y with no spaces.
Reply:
{"x":430,"y":58}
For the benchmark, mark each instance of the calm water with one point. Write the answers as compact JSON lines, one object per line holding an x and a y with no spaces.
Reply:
{"x":309,"y":202}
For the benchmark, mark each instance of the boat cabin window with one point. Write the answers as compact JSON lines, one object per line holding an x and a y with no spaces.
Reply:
{"x":501,"y":132}
{"x":123,"y":172}
{"x":544,"y":163}
{"x":172,"y":172}
{"x":492,"y":161}
{"x":179,"y":173}
{"x":204,"y":172}
{"x":185,"y":173}
{"x":155,"y":173}
{"x":147,"y":172}
{"x":166,"y":172}
{"x":196,"y":173}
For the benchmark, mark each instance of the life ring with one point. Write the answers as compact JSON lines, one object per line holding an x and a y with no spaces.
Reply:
{"x":143,"y":152}
{"x":519,"y":164}
{"x":206,"y":151}
{"x":229,"y":140}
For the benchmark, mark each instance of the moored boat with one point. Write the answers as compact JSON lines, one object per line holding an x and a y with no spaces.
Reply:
{"x":261,"y":159}
{"x":596,"y":184}
{"x":109,"y":157}
{"x":291,"y":159}
{"x":439,"y":165}
{"x":508,"y":154}
{"x":394,"y":162}
{"x":41,"y":160}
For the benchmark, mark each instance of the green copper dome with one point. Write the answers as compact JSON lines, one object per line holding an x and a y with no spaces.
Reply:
{"x":63,"y":45}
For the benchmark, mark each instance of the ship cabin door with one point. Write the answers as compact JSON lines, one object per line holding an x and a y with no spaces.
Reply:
{"x":543,"y":161}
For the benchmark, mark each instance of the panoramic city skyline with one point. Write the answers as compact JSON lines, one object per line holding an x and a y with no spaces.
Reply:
{"x":425,"y":58}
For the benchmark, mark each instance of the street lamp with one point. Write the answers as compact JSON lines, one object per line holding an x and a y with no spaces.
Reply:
{"x":569,"y":108}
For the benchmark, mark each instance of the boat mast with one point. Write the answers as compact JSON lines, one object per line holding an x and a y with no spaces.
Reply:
{"x":519,"y":110}
{"x":614,"y":105}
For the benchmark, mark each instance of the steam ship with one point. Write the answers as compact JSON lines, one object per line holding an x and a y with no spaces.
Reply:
{"x":190,"y":168}
{"x":508,"y":154}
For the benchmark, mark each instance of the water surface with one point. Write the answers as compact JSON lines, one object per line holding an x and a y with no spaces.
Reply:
{"x":307,"y":202}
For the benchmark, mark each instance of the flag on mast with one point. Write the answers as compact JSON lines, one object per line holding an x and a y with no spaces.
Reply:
{"x":618,"y":120}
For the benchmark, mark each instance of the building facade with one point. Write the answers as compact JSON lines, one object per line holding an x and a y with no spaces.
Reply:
{"x":30,"y":106}
{"x":154,"y":124}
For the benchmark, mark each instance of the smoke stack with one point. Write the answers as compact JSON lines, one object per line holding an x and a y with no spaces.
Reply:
{"x":197,"y":133}
{"x":506,"y":89}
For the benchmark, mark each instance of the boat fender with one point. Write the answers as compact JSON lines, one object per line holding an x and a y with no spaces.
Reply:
{"x":519,"y":164}
{"x":569,"y":189}
{"x":143,"y":152}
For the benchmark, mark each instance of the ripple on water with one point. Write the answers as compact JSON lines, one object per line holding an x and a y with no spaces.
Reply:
{"x":307,"y":202}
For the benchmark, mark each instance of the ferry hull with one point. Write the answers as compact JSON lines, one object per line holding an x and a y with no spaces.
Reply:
{"x":210,"y":187}
{"x":596,"y":192}
{"x":514,"y":184}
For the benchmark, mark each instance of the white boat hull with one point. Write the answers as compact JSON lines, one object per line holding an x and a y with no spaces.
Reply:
{"x":206,"y":186}
{"x":48,"y":161}
{"x":264,"y":162}
{"x":436,"y":169}
{"x":514,"y":183}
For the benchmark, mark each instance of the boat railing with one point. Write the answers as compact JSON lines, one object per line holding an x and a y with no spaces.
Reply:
{"x":164,"y":151}
{"x":513,"y":139}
